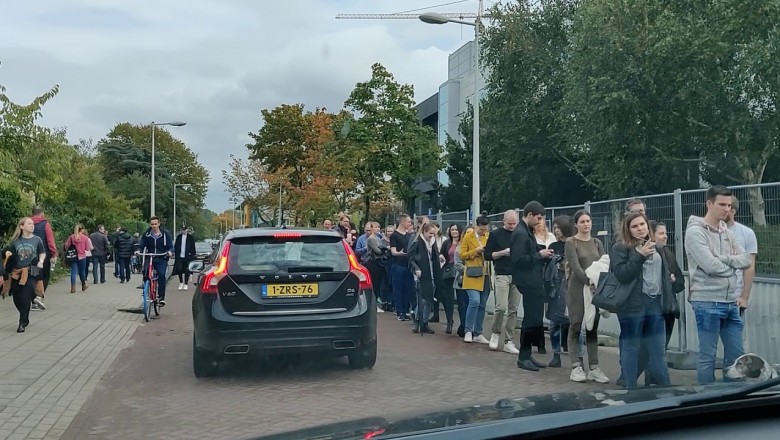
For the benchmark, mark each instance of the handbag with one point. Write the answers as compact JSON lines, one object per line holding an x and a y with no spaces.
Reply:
{"x":611,"y":295}
{"x":669,"y":304}
{"x":474,"y":271}
{"x":448,"y":271}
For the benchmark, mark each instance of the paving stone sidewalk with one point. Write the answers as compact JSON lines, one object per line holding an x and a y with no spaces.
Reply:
{"x":49,"y":371}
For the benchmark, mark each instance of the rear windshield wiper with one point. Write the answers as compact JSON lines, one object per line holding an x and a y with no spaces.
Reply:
{"x":297,"y":269}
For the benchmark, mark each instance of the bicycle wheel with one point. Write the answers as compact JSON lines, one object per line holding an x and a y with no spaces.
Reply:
{"x":155,"y":300}
{"x":146,"y":302}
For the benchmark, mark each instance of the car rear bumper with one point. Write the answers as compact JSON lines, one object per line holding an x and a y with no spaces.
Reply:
{"x":222,"y":334}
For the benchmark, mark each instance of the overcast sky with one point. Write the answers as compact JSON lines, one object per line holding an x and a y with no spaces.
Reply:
{"x":214,"y":64}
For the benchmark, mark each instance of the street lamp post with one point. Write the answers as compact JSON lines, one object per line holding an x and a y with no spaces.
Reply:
{"x":233,"y":201}
{"x":185,"y":186}
{"x":435,"y":18}
{"x":155,"y":124}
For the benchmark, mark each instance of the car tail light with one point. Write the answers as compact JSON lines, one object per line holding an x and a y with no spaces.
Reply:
{"x":216,"y":273}
{"x":288,"y":235}
{"x":364,"y":277}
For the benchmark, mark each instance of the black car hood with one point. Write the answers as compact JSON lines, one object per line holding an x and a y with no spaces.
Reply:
{"x":378,"y":427}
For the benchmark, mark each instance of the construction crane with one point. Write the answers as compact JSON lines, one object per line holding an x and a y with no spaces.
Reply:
{"x":458,"y":15}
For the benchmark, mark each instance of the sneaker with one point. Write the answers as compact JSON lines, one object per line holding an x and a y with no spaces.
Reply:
{"x":494,"y":341}
{"x":162,"y":303}
{"x":379,"y":310}
{"x":38,"y":303}
{"x":597,"y":375}
{"x":578,"y":375}
{"x":401,"y":318}
{"x":181,"y":286}
{"x":481,"y":339}
{"x":510,"y":348}
{"x":468,"y":338}
{"x":35,"y":307}
{"x":186,"y":287}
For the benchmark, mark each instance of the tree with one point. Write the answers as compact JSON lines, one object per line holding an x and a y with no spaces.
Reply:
{"x":456,"y":196}
{"x":125,"y":156}
{"x":524,"y":153}
{"x":380,"y":124}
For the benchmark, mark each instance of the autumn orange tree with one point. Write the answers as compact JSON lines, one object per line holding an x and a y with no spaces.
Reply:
{"x":291,"y":154}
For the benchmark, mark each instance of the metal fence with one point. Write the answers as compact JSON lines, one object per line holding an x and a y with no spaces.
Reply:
{"x":759,"y":209}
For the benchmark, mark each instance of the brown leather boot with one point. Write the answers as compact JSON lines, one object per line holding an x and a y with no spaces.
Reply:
{"x":72,"y":288}
{"x":84,"y":286}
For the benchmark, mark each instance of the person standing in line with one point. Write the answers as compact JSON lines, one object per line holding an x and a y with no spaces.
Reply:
{"x":23,"y":260}
{"x":747,"y":239}
{"x":449,"y":248}
{"x":714,"y":257}
{"x":425,"y":264}
{"x":476,"y":278}
{"x":375,"y":260}
{"x":527,"y":264}
{"x":507,"y":296}
{"x":327,"y":224}
{"x":582,"y":250}
{"x":101,"y":246}
{"x":557,"y":310}
{"x":402,"y":279}
{"x":112,"y":238}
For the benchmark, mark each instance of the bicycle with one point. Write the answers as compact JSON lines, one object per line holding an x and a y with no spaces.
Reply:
{"x":150,"y":300}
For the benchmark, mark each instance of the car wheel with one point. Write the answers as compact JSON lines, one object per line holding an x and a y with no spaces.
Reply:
{"x":202,"y":364}
{"x":364,"y":357}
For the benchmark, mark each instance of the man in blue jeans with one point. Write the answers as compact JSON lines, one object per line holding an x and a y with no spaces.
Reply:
{"x":157,"y":241}
{"x":714,"y":256}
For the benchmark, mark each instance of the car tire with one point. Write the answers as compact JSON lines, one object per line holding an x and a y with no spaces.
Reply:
{"x":364,"y":357}
{"x":203,"y":364}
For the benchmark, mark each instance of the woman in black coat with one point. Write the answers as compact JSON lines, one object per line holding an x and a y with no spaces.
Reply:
{"x":637,"y":265}
{"x":425,"y":264}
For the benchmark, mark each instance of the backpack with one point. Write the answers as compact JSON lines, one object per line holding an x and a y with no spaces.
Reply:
{"x":71,"y":255}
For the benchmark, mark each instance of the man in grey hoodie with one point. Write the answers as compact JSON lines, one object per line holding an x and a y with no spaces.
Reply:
{"x":714,"y":256}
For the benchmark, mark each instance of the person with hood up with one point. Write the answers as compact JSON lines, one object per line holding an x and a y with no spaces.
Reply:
{"x":714,"y":257}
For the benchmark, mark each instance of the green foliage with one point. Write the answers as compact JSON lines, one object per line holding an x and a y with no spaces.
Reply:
{"x":125,"y":159}
{"x":12,"y":205}
{"x":380,"y":124}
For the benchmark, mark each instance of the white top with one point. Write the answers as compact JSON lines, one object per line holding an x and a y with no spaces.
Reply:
{"x":183,"y":245}
{"x":746,"y":239}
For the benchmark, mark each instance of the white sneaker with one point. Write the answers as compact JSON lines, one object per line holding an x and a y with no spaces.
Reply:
{"x":186,"y":287}
{"x":379,"y":310}
{"x":597,"y":375}
{"x":494,"y":341}
{"x":181,"y":286}
{"x":469,"y":338}
{"x":39,"y":302}
{"x":481,"y":339}
{"x":578,"y":375}
{"x":510,"y":348}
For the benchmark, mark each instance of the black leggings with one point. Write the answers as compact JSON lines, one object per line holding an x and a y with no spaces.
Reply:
{"x":23,"y":296}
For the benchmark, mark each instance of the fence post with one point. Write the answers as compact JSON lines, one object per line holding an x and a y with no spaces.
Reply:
{"x":682,"y":334}
{"x":587,"y":206}
{"x":440,"y":218}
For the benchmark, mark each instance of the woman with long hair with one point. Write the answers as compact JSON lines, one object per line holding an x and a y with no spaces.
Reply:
{"x":556,"y":310}
{"x":375,"y":260}
{"x":635,"y":261}
{"x":78,"y":266}
{"x":23,"y":262}
{"x":582,"y":250}
{"x":448,"y":249}
{"x":426,"y":268}
{"x":476,"y":280}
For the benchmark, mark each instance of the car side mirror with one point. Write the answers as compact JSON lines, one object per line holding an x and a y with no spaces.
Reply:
{"x":196,"y":266}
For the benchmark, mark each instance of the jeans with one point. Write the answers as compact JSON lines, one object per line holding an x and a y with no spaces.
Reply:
{"x":123,"y":266}
{"x":78,"y":268}
{"x":462,"y":298}
{"x":475,"y":313}
{"x":161,"y":266}
{"x":403,"y":288}
{"x":99,"y":262}
{"x":646,"y":326}
{"x":717,"y":320}
{"x":507,"y":302}
{"x":558,"y":336}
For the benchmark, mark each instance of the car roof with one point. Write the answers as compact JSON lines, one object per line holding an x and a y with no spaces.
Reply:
{"x":268,"y":232}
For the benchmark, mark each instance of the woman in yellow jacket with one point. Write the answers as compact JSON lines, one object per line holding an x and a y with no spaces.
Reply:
{"x":476,"y":279}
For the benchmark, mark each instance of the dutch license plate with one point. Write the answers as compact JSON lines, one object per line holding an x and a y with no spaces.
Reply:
{"x":305,"y":290}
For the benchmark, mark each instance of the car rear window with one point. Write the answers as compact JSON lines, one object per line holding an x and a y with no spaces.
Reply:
{"x":267,"y":254}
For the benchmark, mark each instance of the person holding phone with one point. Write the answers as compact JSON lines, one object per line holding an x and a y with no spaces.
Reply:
{"x":635,"y":262}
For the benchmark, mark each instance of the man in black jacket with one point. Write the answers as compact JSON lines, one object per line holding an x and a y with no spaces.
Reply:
{"x":527,"y":274}
{"x":184,"y":251}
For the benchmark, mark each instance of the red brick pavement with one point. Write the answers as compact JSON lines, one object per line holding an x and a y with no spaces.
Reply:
{"x":150,"y":390}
